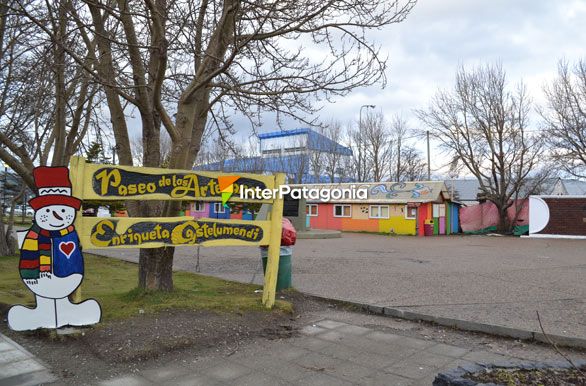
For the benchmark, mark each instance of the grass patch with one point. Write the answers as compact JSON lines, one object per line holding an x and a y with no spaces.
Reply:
{"x":18,"y":220}
{"x":113,"y":284}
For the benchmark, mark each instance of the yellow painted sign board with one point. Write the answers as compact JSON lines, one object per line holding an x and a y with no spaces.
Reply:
{"x":93,"y":182}
{"x":148,"y":232}
{"x":113,"y":182}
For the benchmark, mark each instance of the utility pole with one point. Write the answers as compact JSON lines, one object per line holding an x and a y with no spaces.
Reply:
{"x":428,"y":159}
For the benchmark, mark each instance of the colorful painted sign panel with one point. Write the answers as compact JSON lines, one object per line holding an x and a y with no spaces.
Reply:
{"x":112,"y":182}
{"x":51,"y":260}
{"x":95,"y":182}
{"x":178,"y":231}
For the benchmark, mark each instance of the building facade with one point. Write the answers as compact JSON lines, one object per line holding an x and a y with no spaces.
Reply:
{"x":291,"y":152}
{"x":407,"y":208}
{"x":216,"y":210}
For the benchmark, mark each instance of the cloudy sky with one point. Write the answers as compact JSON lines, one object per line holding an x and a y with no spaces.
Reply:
{"x":528,"y":37}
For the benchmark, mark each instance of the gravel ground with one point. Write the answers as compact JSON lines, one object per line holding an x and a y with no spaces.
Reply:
{"x":494,"y":280}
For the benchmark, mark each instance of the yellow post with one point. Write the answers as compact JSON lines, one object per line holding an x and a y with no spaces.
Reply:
{"x":272,"y":270}
{"x":76,"y":170}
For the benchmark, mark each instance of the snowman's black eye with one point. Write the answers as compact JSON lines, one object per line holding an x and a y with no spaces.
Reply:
{"x":62,"y":210}
{"x":48,"y":210}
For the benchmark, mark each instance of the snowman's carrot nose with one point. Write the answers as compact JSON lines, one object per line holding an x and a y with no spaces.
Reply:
{"x":57,"y":216}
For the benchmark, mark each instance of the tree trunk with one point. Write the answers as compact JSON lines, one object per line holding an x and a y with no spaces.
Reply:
{"x":155,"y":264}
{"x":60,"y":97}
{"x":156,"y":269}
{"x":503,"y":225}
{"x":4,"y":245}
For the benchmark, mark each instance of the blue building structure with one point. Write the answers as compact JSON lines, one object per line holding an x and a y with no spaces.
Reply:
{"x":289,"y":152}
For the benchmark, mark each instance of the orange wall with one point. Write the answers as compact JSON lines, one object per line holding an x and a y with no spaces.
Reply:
{"x":350,"y":224}
{"x":359,"y":222}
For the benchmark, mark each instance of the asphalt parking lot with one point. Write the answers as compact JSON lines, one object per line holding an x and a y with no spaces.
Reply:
{"x":501,"y":281}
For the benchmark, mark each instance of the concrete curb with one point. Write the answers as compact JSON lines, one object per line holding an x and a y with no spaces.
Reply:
{"x":313,"y":234}
{"x":491,"y":329}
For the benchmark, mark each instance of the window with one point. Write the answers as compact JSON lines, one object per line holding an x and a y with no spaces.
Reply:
{"x":378,"y":211}
{"x":219,"y":208}
{"x":311,"y":210}
{"x":198,"y":206}
{"x":410,"y":212}
{"x":342,"y":211}
{"x":436,"y":210}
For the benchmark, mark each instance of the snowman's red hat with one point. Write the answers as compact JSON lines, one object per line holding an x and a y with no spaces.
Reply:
{"x":54,"y":188}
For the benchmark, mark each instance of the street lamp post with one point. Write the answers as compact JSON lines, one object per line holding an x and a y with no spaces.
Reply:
{"x":360,"y":115}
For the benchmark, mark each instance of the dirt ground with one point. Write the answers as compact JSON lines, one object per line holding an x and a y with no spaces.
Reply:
{"x":145,"y":341}
{"x":173,"y":336}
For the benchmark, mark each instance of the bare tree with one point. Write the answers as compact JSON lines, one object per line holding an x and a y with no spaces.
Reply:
{"x":377,"y":145}
{"x":405,"y":162}
{"x":398,"y":131}
{"x":565,"y":118}
{"x":326,"y":152}
{"x":412,"y":165}
{"x":48,"y":101}
{"x":333,"y":156}
{"x":316,"y":158}
{"x":188,"y":64}
{"x":357,"y":166}
{"x":137,"y":148}
{"x":484,"y":127}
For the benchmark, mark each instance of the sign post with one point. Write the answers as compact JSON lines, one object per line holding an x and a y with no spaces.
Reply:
{"x":115,"y":183}
{"x":268,"y":295}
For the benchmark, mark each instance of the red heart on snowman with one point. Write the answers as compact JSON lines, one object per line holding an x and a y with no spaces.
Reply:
{"x":67,"y":247}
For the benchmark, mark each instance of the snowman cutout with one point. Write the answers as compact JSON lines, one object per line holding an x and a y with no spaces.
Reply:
{"x":51,"y":260}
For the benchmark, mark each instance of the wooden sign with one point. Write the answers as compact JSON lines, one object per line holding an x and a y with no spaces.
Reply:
{"x":180,"y":231}
{"x":51,"y":261}
{"x":112,"y":182}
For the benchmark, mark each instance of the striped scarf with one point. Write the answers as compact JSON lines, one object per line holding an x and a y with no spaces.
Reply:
{"x":35,"y":254}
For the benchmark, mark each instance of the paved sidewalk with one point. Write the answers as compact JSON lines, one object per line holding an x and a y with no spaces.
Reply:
{"x":18,"y":367}
{"x":499,"y":281}
{"x":328,"y":352}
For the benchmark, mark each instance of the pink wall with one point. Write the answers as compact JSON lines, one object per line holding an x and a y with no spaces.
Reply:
{"x":481,"y":216}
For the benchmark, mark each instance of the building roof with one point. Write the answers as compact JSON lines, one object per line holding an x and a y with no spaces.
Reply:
{"x":284,"y":133}
{"x":288,"y":164}
{"x":389,"y":192}
{"x":467,"y":190}
{"x":574,"y":187}
{"x":315,"y":140}
{"x":464,"y":190}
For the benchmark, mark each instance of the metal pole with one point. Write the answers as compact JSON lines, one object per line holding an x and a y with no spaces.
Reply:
{"x":4,"y":188}
{"x":428,"y":159}
{"x":360,"y":114}
{"x":23,"y":207}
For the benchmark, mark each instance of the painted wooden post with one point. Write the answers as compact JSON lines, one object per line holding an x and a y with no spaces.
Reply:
{"x":272,"y":269}
{"x":77,"y":164}
{"x":448,"y":218}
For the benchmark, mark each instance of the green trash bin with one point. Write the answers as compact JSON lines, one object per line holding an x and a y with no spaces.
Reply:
{"x":284,"y":275}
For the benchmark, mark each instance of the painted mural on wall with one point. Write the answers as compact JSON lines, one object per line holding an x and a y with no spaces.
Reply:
{"x":51,"y":260}
{"x":419,"y":190}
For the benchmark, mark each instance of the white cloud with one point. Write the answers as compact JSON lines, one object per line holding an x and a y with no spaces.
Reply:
{"x":527,"y":37}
